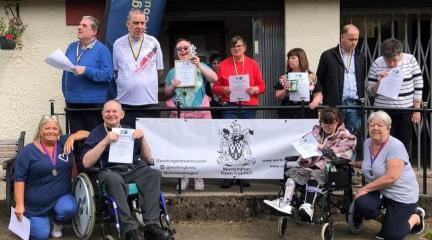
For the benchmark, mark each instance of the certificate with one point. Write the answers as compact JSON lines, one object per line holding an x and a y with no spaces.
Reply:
{"x":307,"y":146}
{"x":238,"y":85}
{"x":185,"y":71}
{"x":59,"y":60}
{"x":22,"y":229}
{"x":121,"y":151}
{"x":391,"y":84}
{"x":302,"y":93}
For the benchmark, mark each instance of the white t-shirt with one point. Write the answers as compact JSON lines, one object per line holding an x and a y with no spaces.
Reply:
{"x":137,"y":80}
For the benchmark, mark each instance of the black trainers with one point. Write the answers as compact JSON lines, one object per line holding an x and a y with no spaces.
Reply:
{"x":134,"y":234}
{"x":379,"y":236}
{"x":417,"y":229}
{"x":154,"y":232}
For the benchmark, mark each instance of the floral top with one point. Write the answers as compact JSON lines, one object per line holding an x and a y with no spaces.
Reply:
{"x":342,"y":143}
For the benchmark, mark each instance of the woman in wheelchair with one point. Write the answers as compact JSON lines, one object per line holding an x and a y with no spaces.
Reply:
{"x":335,"y":141}
{"x":43,"y":179}
{"x":391,"y":192}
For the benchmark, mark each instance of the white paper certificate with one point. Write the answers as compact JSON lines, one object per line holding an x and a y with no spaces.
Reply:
{"x":238,"y":85}
{"x":302,"y":93}
{"x":22,"y":229}
{"x":307,"y":146}
{"x":59,"y":60}
{"x":121,"y":151}
{"x":391,"y":84}
{"x":185,"y":71}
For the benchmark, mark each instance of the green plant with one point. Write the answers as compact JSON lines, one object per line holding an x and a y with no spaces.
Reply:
{"x":2,"y":26}
{"x":14,"y":30}
{"x":428,"y":235}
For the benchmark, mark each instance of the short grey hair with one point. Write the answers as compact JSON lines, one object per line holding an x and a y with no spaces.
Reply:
{"x":391,"y":47}
{"x":134,"y":11}
{"x":95,"y":23}
{"x":380,"y":115}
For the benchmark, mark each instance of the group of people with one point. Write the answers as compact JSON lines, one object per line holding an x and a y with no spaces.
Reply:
{"x":43,"y":168}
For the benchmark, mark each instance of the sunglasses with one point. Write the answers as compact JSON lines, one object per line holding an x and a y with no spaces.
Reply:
{"x":182,"y":48}
{"x":50,"y":117}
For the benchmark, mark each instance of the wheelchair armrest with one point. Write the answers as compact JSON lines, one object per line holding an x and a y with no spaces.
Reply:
{"x":92,"y":169}
{"x":291,"y":158}
{"x":340,"y":161}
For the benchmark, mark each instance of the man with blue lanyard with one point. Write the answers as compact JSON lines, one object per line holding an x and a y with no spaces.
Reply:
{"x":87,"y":85}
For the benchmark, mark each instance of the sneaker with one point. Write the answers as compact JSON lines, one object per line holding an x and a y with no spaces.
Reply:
{"x":154,"y":232}
{"x":279,"y":205}
{"x":199,"y":184}
{"x":134,"y":234}
{"x":306,"y":212}
{"x":379,"y":236}
{"x":418,"y":228}
{"x":56,"y":230}
{"x":227,"y":183}
{"x":184,"y":184}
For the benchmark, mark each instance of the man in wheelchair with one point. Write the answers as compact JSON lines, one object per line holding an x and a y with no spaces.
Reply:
{"x":114,"y":177}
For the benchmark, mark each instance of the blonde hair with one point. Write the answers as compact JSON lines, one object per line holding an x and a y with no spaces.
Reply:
{"x":44,"y":120}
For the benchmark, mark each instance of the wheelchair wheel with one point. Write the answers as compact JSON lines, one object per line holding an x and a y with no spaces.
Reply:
{"x":85,"y":219}
{"x":354,"y":227}
{"x":327,"y":231}
{"x":282,"y":226}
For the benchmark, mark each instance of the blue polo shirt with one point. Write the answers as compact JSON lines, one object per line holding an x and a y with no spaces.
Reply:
{"x":42,"y":189}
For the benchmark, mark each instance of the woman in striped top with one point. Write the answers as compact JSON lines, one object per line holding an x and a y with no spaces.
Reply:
{"x":410,"y":93}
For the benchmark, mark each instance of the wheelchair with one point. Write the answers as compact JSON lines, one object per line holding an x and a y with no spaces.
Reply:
{"x":95,"y":205}
{"x":338,"y":178}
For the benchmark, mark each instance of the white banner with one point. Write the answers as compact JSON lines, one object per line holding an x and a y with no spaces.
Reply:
{"x":223,"y":148}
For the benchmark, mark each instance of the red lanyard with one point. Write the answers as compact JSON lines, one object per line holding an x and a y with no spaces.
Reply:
{"x":379,"y":150}
{"x":53,"y":156}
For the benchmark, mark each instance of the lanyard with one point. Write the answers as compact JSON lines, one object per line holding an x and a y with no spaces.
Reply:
{"x":136,"y":54}
{"x":53,"y":156}
{"x":235,"y":67}
{"x":78,"y":56}
{"x":379,"y":150}
{"x":347,"y":68}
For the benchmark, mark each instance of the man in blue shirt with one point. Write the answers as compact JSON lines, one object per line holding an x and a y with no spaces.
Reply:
{"x":87,"y":85}
{"x":116,"y":176}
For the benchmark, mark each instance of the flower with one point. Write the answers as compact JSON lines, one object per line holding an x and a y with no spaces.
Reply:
{"x":13,"y":31}
{"x":8,"y":36}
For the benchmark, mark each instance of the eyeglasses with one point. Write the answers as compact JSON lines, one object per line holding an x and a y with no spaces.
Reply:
{"x":237,"y":46}
{"x":50,"y":117}
{"x":182,"y":48}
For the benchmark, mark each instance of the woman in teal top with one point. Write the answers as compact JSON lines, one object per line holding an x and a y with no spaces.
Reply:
{"x":192,"y":95}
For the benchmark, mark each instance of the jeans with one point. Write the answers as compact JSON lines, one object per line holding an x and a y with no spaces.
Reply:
{"x":64,"y":209}
{"x":236,"y":114}
{"x":352,"y":117}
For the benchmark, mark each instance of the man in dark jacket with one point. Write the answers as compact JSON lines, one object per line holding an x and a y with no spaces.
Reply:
{"x":341,"y":74}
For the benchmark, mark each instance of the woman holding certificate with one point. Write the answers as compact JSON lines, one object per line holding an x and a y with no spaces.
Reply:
{"x":334,"y":140}
{"x":291,"y":87}
{"x":43,"y":179}
{"x":239,"y":81}
{"x":185,"y":84}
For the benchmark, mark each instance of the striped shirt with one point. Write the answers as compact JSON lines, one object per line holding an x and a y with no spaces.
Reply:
{"x":412,"y":85}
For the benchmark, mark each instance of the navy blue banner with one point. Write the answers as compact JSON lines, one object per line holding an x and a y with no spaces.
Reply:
{"x":116,"y":15}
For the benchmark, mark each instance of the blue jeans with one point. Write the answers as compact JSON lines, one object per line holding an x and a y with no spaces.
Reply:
{"x":235,"y":114}
{"x":352,"y":117}
{"x":64,"y":209}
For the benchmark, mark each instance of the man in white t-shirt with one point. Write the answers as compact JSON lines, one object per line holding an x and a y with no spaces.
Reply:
{"x":138,"y":62}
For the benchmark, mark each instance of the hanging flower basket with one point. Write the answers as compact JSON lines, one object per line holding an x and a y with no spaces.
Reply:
{"x":7,"y":44}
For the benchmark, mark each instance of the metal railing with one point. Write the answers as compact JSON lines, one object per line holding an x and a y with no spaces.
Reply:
{"x":422,"y":134}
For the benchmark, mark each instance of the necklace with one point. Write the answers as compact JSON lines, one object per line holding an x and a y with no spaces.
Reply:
{"x":136,"y":54}
{"x":51,"y":156}
{"x":235,"y":67}
{"x":373,"y":157}
{"x":347,"y":68}
{"x":78,"y":56}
